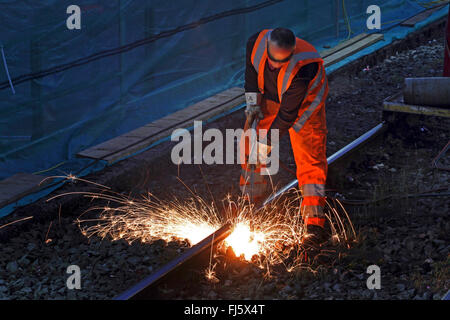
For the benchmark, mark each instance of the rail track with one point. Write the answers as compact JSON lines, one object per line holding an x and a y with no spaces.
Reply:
{"x":198,"y":256}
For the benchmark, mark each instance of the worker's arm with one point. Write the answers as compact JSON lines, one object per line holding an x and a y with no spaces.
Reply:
{"x":251,"y":76}
{"x":292,"y":99}
{"x":252,"y":94}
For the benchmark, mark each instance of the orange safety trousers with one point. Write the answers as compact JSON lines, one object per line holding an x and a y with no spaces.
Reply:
{"x":309,"y":148}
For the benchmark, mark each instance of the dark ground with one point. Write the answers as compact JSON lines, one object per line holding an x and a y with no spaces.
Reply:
{"x":407,"y":237}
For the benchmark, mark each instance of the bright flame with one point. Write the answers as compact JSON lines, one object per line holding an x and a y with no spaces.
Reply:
{"x":244,"y":241}
{"x":194,"y":232}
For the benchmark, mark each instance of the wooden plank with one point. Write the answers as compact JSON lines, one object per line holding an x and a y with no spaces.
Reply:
{"x":164,"y":122}
{"x":411,"y":22}
{"x":134,"y":148}
{"x":348,"y":51}
{"x":115,"y":143}
{"x":93,"y":153}
{"x":19,"y":185}
{"x":142,"y":132}
{"x":406,"y":108}
{"x":118,"y":143}
{"x":342,"y":45}
{"x":107,"y":147}
{"x":135,"y":140}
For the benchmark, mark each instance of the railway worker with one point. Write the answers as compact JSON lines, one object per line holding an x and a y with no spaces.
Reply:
{"x":286,"y":88}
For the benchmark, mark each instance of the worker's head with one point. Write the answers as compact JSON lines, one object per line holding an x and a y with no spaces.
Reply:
{"x":280,"y":46}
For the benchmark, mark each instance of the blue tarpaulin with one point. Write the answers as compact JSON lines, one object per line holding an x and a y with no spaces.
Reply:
{"x":133,"y":62}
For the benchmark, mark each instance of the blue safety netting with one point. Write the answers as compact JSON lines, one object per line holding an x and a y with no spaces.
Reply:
{"x":132,"y":62}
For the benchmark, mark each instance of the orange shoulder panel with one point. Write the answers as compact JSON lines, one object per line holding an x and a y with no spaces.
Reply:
{"x":257,"y":42}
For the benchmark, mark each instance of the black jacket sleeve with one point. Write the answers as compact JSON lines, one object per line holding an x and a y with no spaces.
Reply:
{"x":251,"y":76}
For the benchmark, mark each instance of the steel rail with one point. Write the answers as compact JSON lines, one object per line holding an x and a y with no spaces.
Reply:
{"x":339,"y":155}
{"x":143,"y":289}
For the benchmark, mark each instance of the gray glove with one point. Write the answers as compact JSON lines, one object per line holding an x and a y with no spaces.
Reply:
{"x":253,"y":110}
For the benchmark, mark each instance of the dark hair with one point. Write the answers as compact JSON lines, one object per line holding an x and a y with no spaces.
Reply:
{"x":284,"y":38}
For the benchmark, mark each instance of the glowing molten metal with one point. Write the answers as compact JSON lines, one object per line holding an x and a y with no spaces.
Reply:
{"x":245,"y":242}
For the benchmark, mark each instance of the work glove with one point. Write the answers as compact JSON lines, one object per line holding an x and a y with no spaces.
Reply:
{"x":261,"y":153}
{"x":253,"y":110}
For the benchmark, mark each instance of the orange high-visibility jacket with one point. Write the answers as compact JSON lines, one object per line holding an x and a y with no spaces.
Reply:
{"x":304,"y":53}
{"x":309,"y":144}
